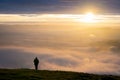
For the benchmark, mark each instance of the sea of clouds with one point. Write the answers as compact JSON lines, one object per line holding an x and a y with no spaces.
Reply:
{"x":92,"y":50}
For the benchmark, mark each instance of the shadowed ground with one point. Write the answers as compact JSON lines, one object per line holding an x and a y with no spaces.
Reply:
{"x":28,"y":74}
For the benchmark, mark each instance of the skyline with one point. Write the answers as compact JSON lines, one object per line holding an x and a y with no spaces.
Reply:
{"x":81,"y":20}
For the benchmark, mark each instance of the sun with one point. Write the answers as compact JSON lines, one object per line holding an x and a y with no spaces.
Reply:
{"x":89,"y":18}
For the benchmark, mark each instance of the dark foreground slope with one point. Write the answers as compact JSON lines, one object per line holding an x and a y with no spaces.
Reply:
{"x":28,"y":74}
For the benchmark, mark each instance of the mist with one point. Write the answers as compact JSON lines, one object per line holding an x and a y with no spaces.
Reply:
{"x":80,"y":49}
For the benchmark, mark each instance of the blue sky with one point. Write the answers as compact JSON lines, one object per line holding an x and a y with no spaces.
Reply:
{"x":58,"y":6}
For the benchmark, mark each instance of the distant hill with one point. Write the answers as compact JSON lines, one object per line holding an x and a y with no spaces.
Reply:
{"x":29,"y":74}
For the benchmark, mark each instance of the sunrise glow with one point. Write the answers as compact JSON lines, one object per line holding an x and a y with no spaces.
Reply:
{"x":89,"y":18}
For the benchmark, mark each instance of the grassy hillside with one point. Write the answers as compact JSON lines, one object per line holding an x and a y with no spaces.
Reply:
{"x":28,"y":74}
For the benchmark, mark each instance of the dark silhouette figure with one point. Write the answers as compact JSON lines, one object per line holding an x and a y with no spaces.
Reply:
{"x":36,"y":62}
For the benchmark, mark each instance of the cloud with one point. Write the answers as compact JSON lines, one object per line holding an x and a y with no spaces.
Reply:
{"x":61,"y":48}
{"x":106,"y":63}
{"x":56,"y":6}
{"x":30,"y":6}
{"x":63,"y":37}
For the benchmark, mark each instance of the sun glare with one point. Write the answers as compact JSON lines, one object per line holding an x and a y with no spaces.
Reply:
{"x":88,"y":18}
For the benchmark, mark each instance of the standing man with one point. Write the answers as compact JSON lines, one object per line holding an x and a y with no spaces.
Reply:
{"x":36,"y":62}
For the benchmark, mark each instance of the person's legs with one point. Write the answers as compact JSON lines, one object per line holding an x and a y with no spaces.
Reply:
{"x":36,"y":66}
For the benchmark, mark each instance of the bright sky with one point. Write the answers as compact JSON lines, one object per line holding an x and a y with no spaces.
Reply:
{"x":58,"y":17}
{"x":63,"y":11}
{"x":86,"y":18}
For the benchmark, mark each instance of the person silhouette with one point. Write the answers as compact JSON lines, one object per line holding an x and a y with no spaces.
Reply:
{"x":36,"y":62}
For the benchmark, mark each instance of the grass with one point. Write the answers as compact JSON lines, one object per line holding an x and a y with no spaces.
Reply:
{"x":29,"y":74}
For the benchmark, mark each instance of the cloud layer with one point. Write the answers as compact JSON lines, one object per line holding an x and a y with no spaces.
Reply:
{"x":93,"y":50}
